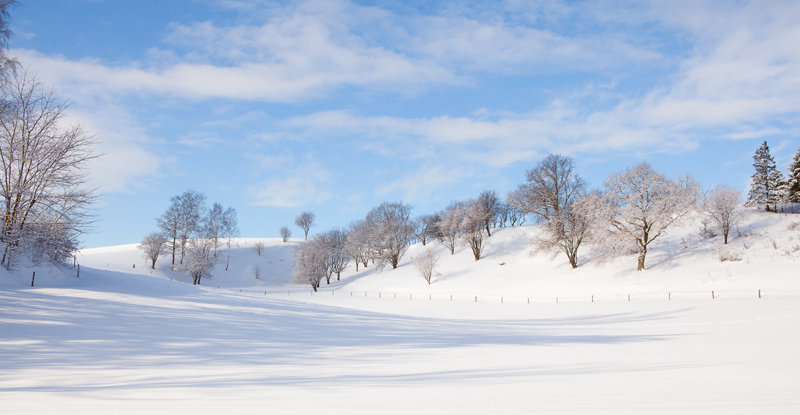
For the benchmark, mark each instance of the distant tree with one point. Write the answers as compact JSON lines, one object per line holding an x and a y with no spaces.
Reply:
{"x":794,"y":179}
{"x":153,"y":244}
{"x":199,"y":261}
{"x":191,"y":208}
{"x":286,"y":233}
{"x":336,"y":256}
{"x":258,"y":246}
{"x":170,"y":223}
{"x":764,"y":180}
{"x":488,"y":205}
{"x":723,"y":207}
{"x":392,"y":230}
{"x":230,"y":230}
{"x":8,"y":65}
{"x":450,"y":224}
{"x":637,"y":206}
{"x":212,"y":225}
{"x":551,"y":186}
{"x":472,"y":227}
{"x":565,"y":232}
{"x":359,"y":242}
{"x":305,"y":221}
{"x":256,"y":271}
{"x":782,"y":195}
{"x":425,"y":263}
{"x":310,"y":263}
{"x":425,"y":227}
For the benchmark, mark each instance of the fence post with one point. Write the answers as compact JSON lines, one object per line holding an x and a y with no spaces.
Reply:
{"x":670,"y":296}
{"x":592,"y":297}
{"x":501,"y":300}
{"x":629,"y":297}
{"x":759,"y":291}
{"x":34,"y":277}
{"x":476,"y":298}
{"x":529,"y":300}
{"x":556,"y":300}
{"x":712,"y":294}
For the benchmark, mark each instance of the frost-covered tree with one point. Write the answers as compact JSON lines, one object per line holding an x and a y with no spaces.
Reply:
{"x":723,"y":208}
{"x":191,"y":206}
{"x":449,"y":225}
{"x":764,"y":180}
{"x":488,"y":204}
{"x":425,"y":263}
{"x":44,"y":199}
{"x":472,"y":230}
{"x":230,"y":230}
{"x":305,"y":221}
{"x":425,"y":227}
{"x":310,"y":263}
{"x":169,"y":223}
{"x":637,"y":206}
{"x":550,"y":187}
{"x":285,"y":233}
{"x":212,"y":225}
{"x":565,"y":232}
{"x":359,"y":242}
{"x":782,"y":194}
{"x":392,"y":230}
{"x":336,"y":256}
{"x":199,"y":261}
{"x":153,"y":245}
{"x":7,"y":64}
{"x":794,"y":179}
{"x":258,"y":247}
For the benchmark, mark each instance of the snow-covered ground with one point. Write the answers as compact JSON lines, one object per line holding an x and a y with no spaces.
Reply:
{"x":121,"y":339}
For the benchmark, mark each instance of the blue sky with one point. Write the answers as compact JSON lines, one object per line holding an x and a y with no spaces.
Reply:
{"x":335,"y":106}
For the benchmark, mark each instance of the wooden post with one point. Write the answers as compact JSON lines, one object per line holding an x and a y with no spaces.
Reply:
{"x":592,"y":297}
{"x":395,"y":295}
{"x":556,"y":300}
{"x":629,"y":297}
{"x":529,"y":300}
{"x":501,"y":300}
{"x":333,"y":292}
{"x":429,"y":296}
{"x":670,"y":296}
{"x":712,"y":294}
{"x":379,"y":294}
{"x":365,"y":293}
{"x":34,"y":277}
{"x":265,"y":293}
{"x":451,"y":295}
{"x":476,"y":298}
{"x":759,"y":291}
{"x":79,"y":270}
{"x":351,"y":293}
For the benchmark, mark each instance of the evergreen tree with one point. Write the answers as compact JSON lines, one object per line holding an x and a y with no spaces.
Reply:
{"x":763,"y":188}
{"x":794,"y":178}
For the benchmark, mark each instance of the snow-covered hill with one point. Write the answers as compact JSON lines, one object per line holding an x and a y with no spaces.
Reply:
{"x":124,"y":339}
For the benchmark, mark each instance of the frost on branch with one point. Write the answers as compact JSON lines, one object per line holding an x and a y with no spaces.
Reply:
{"x":636,"y":207}
{"x":425,"y":263}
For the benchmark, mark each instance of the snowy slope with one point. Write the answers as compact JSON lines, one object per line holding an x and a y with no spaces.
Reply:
{"x":124,"y":340}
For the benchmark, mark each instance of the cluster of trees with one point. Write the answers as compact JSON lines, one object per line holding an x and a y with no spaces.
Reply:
{"x":45,"y":199}
{"x":634,"y":207}
{"x":769,"y":186}
{"x":192,"y":234}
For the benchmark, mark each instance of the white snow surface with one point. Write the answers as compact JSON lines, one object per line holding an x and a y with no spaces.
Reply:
{"x":529,"y":336}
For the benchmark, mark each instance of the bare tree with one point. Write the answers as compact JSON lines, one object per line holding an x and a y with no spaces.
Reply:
{"x":43,"y":179}
{"x":425,"y":263}
{"x":565,"y":233}
{"x":230,"y":230}
{"x":191,"y":206}
{"x":723,"y":206}
{"x":305,"y":221}
{"x":637,"y":206}
{"x":449,"y":227}
{"x":8,"y":65}
{"x":258,"y":246}
{"x":212,"y":225}
{"x":472,"y":227}
{"x":256,"y":271}
{"x":489,"y":206}
{"x":199,"y":261}
{"x":336,"y":256}
{"x":392,"y":230}
{"x":169,"y":223}
{"x":359,"y":243}
{"x":309,"y":263}
{"x":425,"y":227}
{"x":153,"y":244}
{"x":550,"y":187}
{"x":286,"y":233}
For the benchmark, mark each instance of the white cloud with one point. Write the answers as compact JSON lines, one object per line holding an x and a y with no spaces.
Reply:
{"x":292,"y":184}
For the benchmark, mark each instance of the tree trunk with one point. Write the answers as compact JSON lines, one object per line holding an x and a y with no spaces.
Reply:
{"x":640,"y":266}
{"x":725,"y":235}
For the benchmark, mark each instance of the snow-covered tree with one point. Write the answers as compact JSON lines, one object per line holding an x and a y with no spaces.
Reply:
{"x":230,"y":230}
{"x":425,"y":227}
{"x":310,"y":260}
{"x":764,"y":180}
{"x":550,"y":187}
{"x":489,"y":205}
{"x":286,"y":233}
{"x":359,"y":242}
{"x":305,"y":221}
{"x":43,"y":193}
{"x":637,"y":206}
{"x":794,"y":179}
{"x":336,"y":257}
{"x":723,"y":208}
{"x":782,"y":194}
{"x":169,"y":223}
{"x":191,"y":207}
{"x":199,"y":260}
{"x":472,"y":231}
{"x":425,"y":262}
{"x":449,"y":225}
{"x":565,"y":232}
{"x":392,"y":230}
{"x":153,"y":245}
{"x":212,"y":225}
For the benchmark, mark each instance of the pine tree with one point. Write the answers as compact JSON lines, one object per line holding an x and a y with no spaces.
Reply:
{"x":781,"y":194}
{"x":794,"y":179}
{"x":763,"y":187}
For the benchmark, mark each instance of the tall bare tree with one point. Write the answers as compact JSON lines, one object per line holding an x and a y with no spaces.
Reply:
{"x":212,"y":225}
{"x":392,"y":229}
{"x":286,"y":233}
{"x":723,"y":205}
{"x":153,"y":245}
{"x":230,"y":230}
{"x":305,"y":221}
{"x":199,"y":261}
{"x":43,"y":186}
{"x":425,"y":263}
{"x":191,"y":207}
{"x":489,"y":206}
{"x":472,"y":227}
{"x":551,"y":186}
